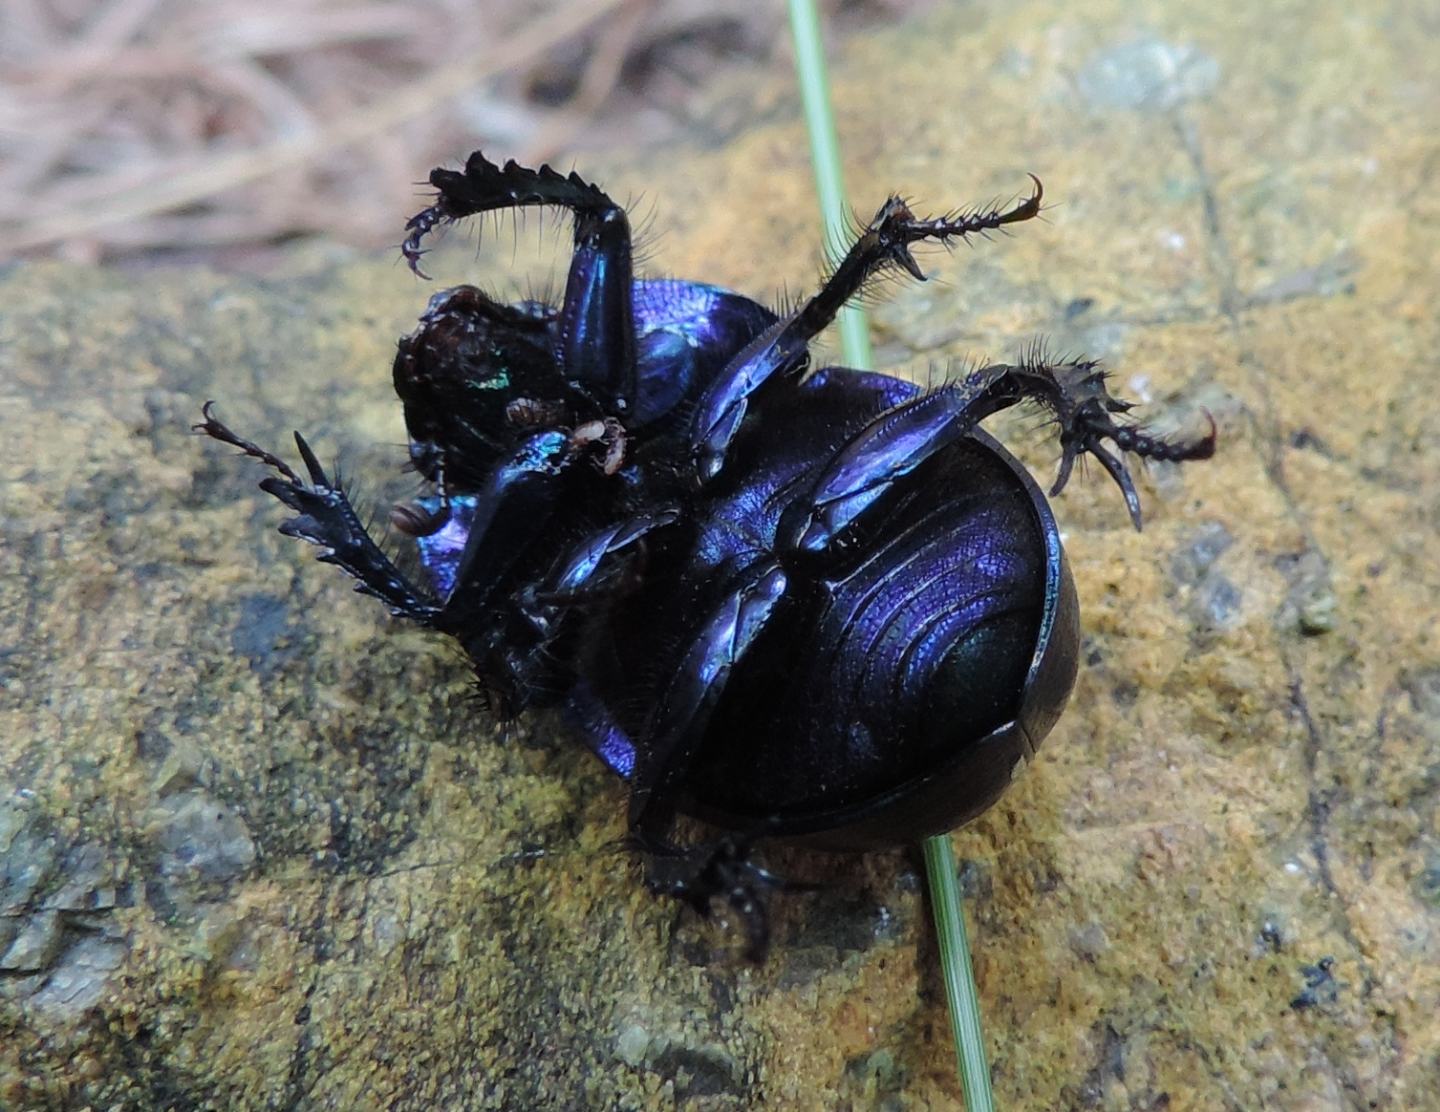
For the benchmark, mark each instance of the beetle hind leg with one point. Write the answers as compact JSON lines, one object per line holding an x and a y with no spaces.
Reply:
{"x":1084,"y":412}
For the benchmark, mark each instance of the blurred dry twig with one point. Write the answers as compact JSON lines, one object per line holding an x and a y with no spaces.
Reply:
{"x":135,"y":127}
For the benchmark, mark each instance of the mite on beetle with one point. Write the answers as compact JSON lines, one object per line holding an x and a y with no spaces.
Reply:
{"x":809,"y":604}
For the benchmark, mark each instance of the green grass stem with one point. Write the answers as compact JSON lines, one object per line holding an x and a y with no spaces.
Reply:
{"x":825,"y":158}
{"x":960,"y":990}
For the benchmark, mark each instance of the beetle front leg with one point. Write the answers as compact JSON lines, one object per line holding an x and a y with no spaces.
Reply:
{"x":596,"y":330}
{"x":783,"y":351}
{"x":326,"y":518}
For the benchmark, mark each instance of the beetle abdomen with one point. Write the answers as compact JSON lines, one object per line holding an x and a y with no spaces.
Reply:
{"x":922,"y":641}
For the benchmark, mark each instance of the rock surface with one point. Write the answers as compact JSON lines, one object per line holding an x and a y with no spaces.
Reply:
{"x":259,"y":849}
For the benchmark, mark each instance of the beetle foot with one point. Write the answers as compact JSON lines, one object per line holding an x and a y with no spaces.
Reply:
{"x":887,"y":239}
{"x":1084,"y":411}
{"x":1085,"y":418}
{"x":700,"y":876}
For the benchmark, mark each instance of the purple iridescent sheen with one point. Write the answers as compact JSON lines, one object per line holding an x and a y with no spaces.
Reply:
{"x":440,"y":551}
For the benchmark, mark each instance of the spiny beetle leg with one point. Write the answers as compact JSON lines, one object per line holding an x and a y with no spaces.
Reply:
{"x":702,"y":874}
{"x":1076,"y":395}
{"x":596,"y":333}
{"x":324,"y":517}
{"x":783,"y":351}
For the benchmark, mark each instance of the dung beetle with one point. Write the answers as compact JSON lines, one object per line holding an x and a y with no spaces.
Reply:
{"x":793,"y":603}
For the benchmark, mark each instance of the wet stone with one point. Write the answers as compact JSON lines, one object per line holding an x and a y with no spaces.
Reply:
{"x":878,"y":1077}
{"x":1195,"y":557}
{"x":633,"y":1045}
{"x":698,"y":1070}
{"x":88,"y":882}
{"x":1316,"y":613}
{"x":1427,"y":884}
{"x":35,"y":946}
{"x":80,"y":979}
{"x":200,"y":838}
{"x":27,"y":856}
{"x":1273,"y":934}
{"x":1310,"y":605}
{"x":1423,"y":688}
{"x":1321,"y":987}
{"x":1216,"y":602}
{"x":1090,"y":941}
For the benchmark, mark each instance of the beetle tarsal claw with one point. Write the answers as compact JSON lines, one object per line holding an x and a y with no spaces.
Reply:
{"x":1068,"y":454}
{"x":1121,"y":474}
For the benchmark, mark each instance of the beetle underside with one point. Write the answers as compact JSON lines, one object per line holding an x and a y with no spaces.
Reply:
{"x":793,"y":602}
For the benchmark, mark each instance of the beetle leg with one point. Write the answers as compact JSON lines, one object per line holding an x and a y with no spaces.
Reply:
{"x":899,"y":440}
{"x":595,"y":337}
{"x":512,"y":643}
{"x":699,"y":875}
{"x":326,"y":518}
{"x":783,"y":350}
{"x":1084,"y":411}
{"x":678,"y":720}
{"x":591,"y":568}
{"x":674,"y":730}
{"x":512,"y":509}
{"x":516,"y":642}
{"x":594,"y":569}
{"x":881,"y":454}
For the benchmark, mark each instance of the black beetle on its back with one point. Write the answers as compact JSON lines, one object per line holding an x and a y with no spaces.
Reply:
{"x":810,"y":604}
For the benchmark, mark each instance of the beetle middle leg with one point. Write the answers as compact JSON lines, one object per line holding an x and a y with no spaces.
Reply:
{"x":664,"y":754}
{"x":783,"y":352}
{"x":593,"y":569}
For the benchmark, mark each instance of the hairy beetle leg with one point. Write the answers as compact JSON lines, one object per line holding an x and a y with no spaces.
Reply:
{"x":783,"y":351}
{"x":596,"y":334}
{"x":325,"y":518}
{"x":1084,"y":411}
{"x":899,"y":440}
